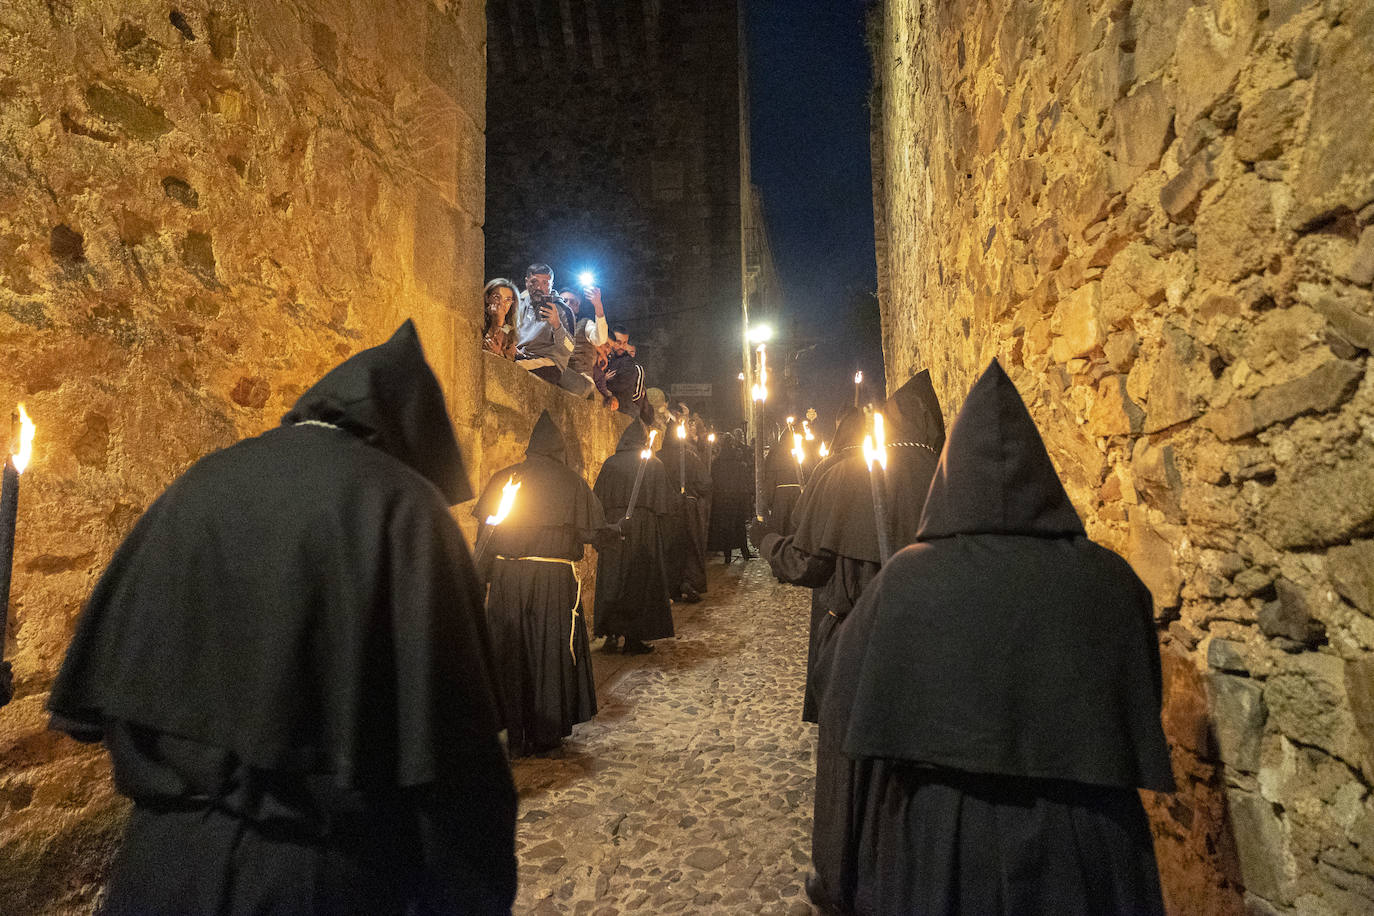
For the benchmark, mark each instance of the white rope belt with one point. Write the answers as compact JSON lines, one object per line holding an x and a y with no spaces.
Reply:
{"x":577,"y":598}
{"x":779,"y":486}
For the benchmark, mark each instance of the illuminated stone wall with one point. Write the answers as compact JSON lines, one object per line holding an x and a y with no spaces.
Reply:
{"x":203,"y":207}
{"x":1159,"y":216}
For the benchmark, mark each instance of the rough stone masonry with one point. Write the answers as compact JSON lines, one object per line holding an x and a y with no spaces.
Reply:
{"x":203,"y":207}
{"x":1159,"y":215}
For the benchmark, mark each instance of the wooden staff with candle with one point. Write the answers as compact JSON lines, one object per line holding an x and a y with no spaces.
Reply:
{"x":507,"y":503}
{"x":875,"y":452}
{"x":644,"y":457}
{"x":9,"y":509}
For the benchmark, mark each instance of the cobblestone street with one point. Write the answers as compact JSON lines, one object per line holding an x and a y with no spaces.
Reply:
{"x":691,"y":790}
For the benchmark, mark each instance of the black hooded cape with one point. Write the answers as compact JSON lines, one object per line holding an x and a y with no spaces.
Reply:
{"x":992,"y":703}
{"x":783,"y":481}
{"x":292,"y":637}
{"x":834,"y":551}
{"x":534,"y":608}
{"x":631,"y":582}
{"x":732,"y":497}
{"x":684,"y":542}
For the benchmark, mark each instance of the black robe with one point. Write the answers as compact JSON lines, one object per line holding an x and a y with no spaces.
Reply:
{"x":684,"y":544}
{"x":834,"y":551}
{"x":732,"y":499}
{"x":631,"y":583}
{"x":783,"y":481}
{"x":534,"y":607}
{"x":997,"y":693}
{"x":288,"y":661}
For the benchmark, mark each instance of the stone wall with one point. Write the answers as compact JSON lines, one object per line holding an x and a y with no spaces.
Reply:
{"x":1159,"y":215}
{"x":203,"y":207}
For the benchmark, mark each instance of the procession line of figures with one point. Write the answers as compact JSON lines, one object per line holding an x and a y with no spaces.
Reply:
{"x":302,"y":688}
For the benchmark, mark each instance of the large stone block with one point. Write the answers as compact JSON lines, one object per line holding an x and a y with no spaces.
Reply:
{"x":1265,"y":127}
{"x":1266,"y":867}
{"x":1351,"y":568}
{"x":1179,"y":382}
{"x":1324,"y":388}
{"x":1078,"y":323}
{"x":1340,"y":312}
{"x":1307,"y":702}
{"x":1114,"y":413}
{"x":1321,"y":505}
{"x":1151,"y":555}
{"x":1237,"y":705}
{"x":1236,"y":230}
{"x":1213,"y":42}
{"x":1337,"y":168}
{"x":1143,"y":122}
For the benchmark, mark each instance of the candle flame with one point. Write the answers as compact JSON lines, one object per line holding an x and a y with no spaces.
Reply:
{"x":711,"y":438}
{"x":647,"y":454}
{"x":653,"y":434}
{"x":682,"y":430}
{"x":791,"y":420}
{"x":507,"y":501}
{"x":806,"y":430}
{"x":20,"y":459}
{"x":797,"y":451}
{"x":825,"y":450}
{"x":858,"y":378}
{"x":875,"y":446}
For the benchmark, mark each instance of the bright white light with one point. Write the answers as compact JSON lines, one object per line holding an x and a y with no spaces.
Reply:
{"x":791,"y":420}
{"x":711,"y":438}
{"x":682,"y":430}
{"x":761,"y":333}
{"x":741,"y":376}
{"x":586,"y":278}
{"x":858,"y":378}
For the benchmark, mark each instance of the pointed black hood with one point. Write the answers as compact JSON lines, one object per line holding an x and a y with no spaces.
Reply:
{"x":633,"y":439}
{"x":913,"y":413}
{"x":849,"y":431}
{"x":995,"y":476}
{"x":547,"y":440}
{"x":388,"y":396}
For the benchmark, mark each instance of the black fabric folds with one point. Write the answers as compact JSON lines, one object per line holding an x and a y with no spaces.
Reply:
{"x":303,"y":598}
{"x":835,"y":514}
{"x":1016,"y":648}
{"x":388,"y":397}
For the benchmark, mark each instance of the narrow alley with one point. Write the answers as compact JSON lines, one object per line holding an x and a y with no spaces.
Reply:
{"x":691,"y":790}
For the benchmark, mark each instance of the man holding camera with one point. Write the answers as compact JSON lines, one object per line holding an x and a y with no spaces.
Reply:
{"x":588,"y":334}
{"x":543,"y":327}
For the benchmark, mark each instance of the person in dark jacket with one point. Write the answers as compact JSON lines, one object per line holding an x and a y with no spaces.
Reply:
{"x":732,"y":498}
{"x":631,"y":583}
{"x":834,"y":550}
{"x":997,"y":690}
{"x":534,"y":606}
{"x":288,"y":662}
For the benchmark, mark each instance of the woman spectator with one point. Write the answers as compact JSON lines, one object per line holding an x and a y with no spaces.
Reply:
{"x":498,"y":328}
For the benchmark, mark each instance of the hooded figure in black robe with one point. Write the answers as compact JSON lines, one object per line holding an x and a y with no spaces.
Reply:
{"x":288,"y":662}
{"x":783,"y":480}
{"x":834,"y":551}
{"x":684,"y":547}
{"x":534,"y":608}
{"x":631,"y":583}
{"x":998,"y":691}
{"x":732,"y":498}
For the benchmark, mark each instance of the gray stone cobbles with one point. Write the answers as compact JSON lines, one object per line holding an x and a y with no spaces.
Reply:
{"x":691,"y":791}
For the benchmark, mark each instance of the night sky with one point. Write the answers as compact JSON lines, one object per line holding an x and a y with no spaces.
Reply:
{"x":809,"y":81}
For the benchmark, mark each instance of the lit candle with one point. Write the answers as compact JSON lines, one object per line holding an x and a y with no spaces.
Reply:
{"x":9,"y":507}
{"x":875,"y":452}
{"x":507,"y":503}
{"x":858,"y":381}
{"x":682,"y":458}
{"x":644,"y":457}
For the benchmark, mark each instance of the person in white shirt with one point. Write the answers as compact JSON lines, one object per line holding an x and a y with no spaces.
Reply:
{"x":588,"y":334}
